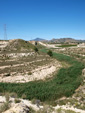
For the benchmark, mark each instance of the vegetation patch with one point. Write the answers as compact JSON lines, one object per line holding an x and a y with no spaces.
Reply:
{"x":66,"y":45}
{"x":50,"y":53}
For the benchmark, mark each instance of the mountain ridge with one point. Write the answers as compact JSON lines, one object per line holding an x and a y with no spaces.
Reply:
{"x":59,"y":40}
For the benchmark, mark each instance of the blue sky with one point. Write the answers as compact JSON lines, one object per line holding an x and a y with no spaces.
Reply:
{"x":28,"y":19}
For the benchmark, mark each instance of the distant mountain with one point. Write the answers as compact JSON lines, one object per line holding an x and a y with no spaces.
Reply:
{"x":60,"y":40}
{"x":65,"y":40}
{"x":37,"y":39}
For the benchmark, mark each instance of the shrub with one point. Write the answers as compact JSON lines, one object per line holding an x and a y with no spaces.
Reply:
{"x":13,"y":95}
{"x":30,"y":73}
{"x":17,"y":100}
{"x":50,"y":53}
{"x":4,"y":107}
{"x":24,"y":96}
{"x":7,"y":97}
{"x":35,"y":49}
{"x":31,"y":110}
{"x":33,"y":101}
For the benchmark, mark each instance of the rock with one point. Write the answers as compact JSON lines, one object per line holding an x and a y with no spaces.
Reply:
{"x":18,"y":108}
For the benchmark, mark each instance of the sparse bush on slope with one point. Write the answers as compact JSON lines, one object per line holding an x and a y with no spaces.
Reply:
{"x":50,"y":53}
{"x":36,"y":49}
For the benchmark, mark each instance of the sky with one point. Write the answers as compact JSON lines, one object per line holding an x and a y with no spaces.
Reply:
{"x":47,"y":19}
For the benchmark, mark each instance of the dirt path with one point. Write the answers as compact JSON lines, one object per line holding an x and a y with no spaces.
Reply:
{"x":48,"y":45}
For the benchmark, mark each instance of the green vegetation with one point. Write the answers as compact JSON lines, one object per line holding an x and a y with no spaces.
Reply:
{"x":17,"y":100}
{"x":31,"y":110}
{"x":36,"y":49}
{"x":66,"y":45}
{"x":50,"y":53}
{"x":6,"y":105}
{"x":30,"y":73}
{"x":63,"y":83}
{"x":65,"y":111}
{"x":70,"y":111}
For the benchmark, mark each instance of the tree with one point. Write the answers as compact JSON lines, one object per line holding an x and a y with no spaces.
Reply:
{"x":35,"y":43}
{"x":50,"y":53}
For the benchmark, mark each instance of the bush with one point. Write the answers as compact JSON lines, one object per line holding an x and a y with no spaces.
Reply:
{"x":17,"y":100}
{"x":50,"y":53}
{"x":13,"y":95}
{"x":35,"y":49}
{"x":30,"y":73}
{"x":24,"y":96}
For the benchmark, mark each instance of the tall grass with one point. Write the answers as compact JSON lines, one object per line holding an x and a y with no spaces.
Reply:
{"x":64,"y":83}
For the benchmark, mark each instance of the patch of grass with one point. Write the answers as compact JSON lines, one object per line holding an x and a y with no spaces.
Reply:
{"x":66,"y":45}
{"x":70,"y":111}
{"x":60,"y":110}
{"x":31,"y":110}
{"x":23,"y":96}
{"x":13,"y":95}
{"x":4,"y":107}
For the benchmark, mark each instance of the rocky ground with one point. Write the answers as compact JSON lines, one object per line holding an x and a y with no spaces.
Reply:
{"x":17,"y":105}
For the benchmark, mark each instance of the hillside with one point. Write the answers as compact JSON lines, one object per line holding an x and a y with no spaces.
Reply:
{"x":18,"y":45}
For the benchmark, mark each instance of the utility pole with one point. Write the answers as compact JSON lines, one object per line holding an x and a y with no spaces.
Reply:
{"x":5,"y":32}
